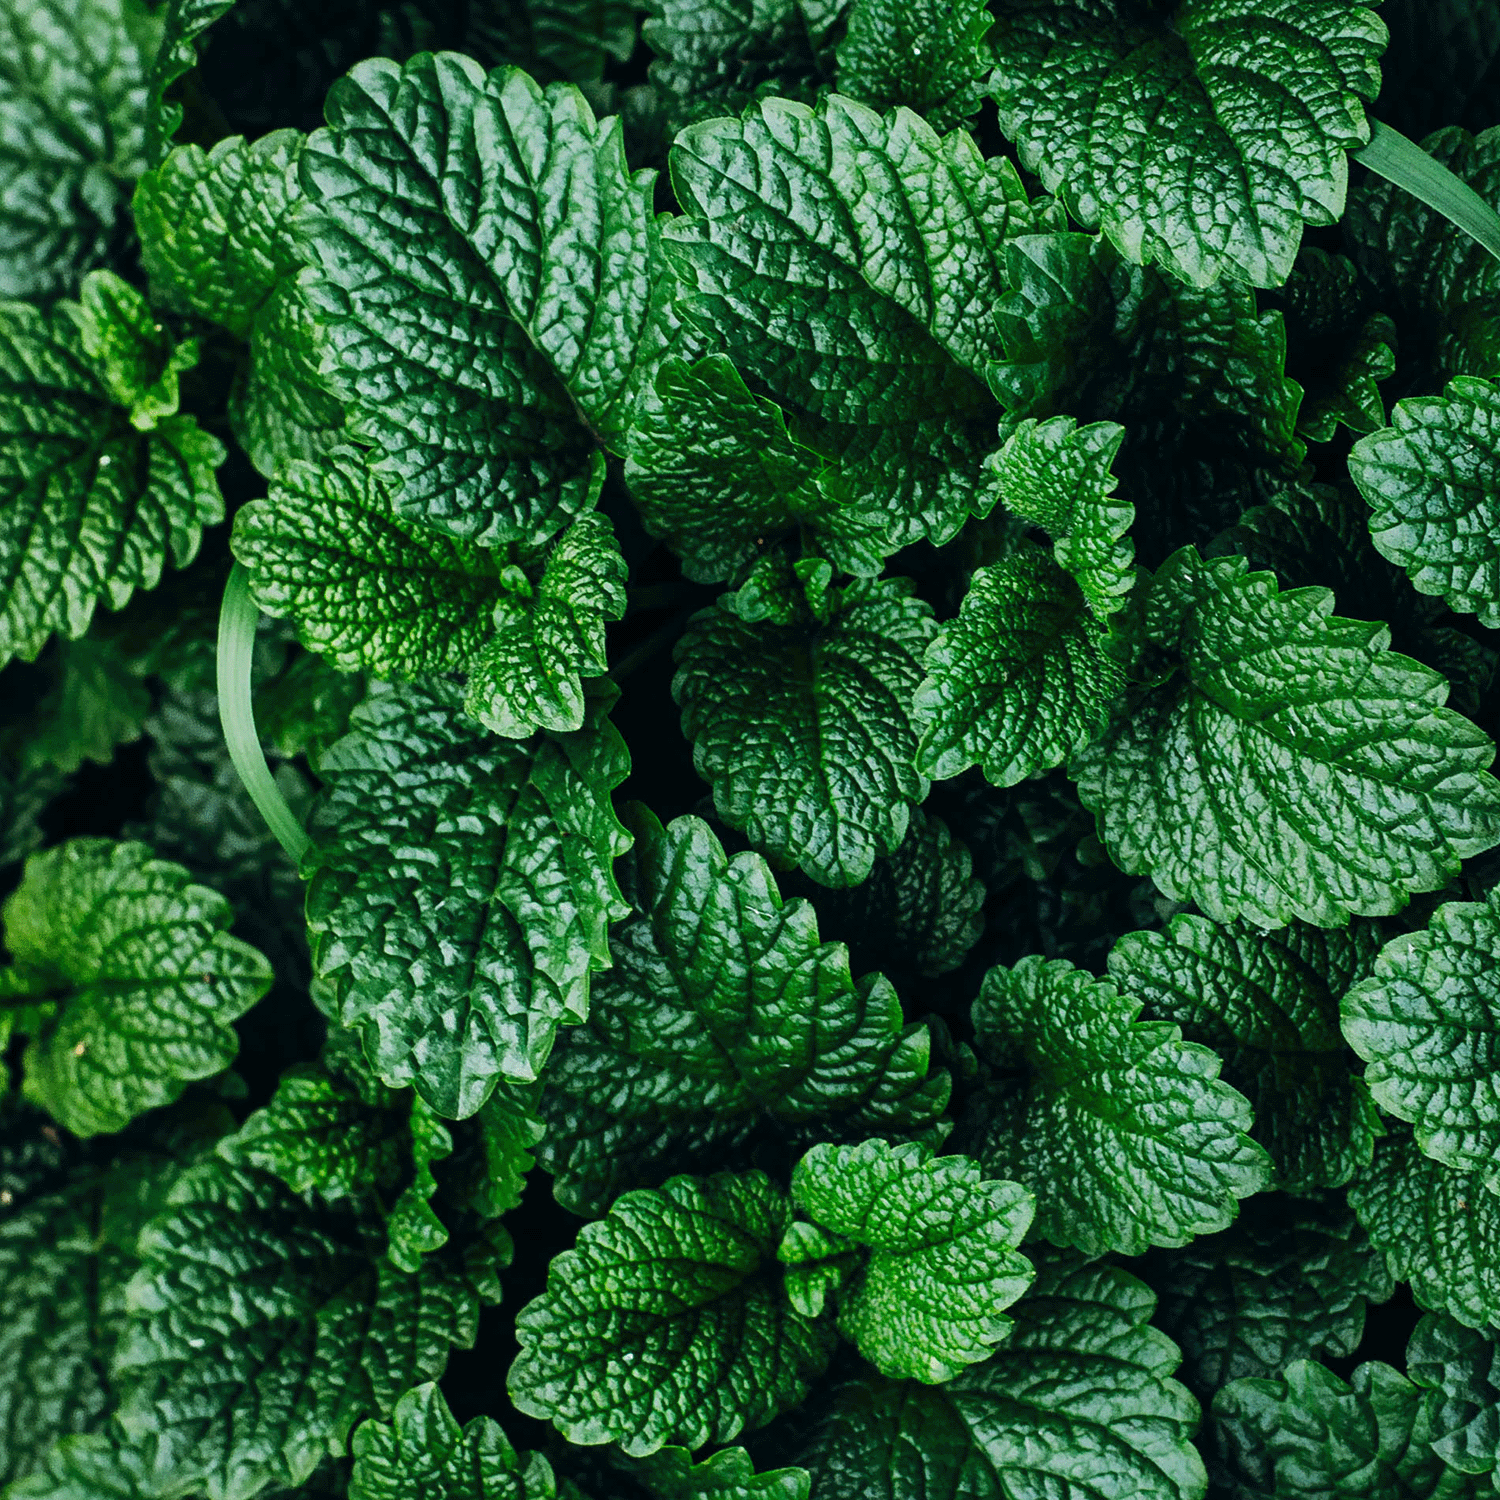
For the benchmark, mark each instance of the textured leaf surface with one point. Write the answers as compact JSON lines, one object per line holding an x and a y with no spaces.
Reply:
{"x":942,"y":1263}
{"x":97,"y":701}
{"x":183,"y":22}
{"x":135,"y":357}
{"x":486,"y":276}
{"x":1432,"y":479}
{"x":512,"y":841}
{"x":1427,"y":1022}
{"x":1287,"y":765}
{"x":1078,"y":1402}
{"x":930,"y":57}
{"x":1020,"y":680}
{"x":804,"y":731}
{"x":1268,"y":1004}
{"x":671,"y":1474}
{"x":138,"y":979}
{"x":1156,"y":124}
{"x":723,"y":1012}
{"x":1457,"y":1368}
{"x":1120,"y":1128}
{"x":668,"y":1322}
{"x":90,"y":508}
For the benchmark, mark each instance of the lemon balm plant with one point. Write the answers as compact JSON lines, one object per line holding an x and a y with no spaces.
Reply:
{"x":745,"y":750}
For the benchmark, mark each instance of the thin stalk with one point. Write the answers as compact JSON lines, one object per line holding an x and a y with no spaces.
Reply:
{"x":237,"y":622}
{"x":1406,"y":164}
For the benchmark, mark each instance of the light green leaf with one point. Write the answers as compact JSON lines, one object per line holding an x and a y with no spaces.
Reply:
{"x":488,"y":291}
{"x":723,"y":1014}
{"x":1427,"y":1022}
{"x":1268,"y":1004}
{"x":804,"y":731}
{"x":668,"y":1323}
{"x":135,"y":357}
{"x":90,"y":509}
{"x":930,"y":57}
{"x":671,"y":1474}
{"x":1078,"y":1402}
{"x":1118,"y":1126}
{"x":137,"y":979}
{"x":513,"y":841}
{"x":1280,"y":762}
{"x":1020,"y":680}
{"x":1457,"y":1368}
{"x":942,"y":1266}
{"x":1432,"y":479}
{"x":1155,"y":127}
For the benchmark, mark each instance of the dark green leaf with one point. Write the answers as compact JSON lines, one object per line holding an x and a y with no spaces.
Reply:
{"x":1457,"y":1368}
{"x":930,"y":57}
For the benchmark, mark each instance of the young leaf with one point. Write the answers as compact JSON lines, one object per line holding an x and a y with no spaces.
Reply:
{"x":512,"y":841}
{"x":1438,"y":1229}
{"x":1268,"y":1004}
{"x":1078,"y":1401}
{"x":92,"y":508}
{"x":1432,"y":479}
{"x":942,"y":1265}
{"x":804,"y":731}
{"x":723,"y":1012}
{"x":423,"y":1454}
{"x":1427,"y":1022}
{"x":136,"y":359}
{"x":931,"y":57}
{"x":668,"y":1323}
{"x":1118,"y":1126}
{"x":1287,"y":765}
{"x":132,"y":980}
{"x":1020,"y":680}
{"x":1456,"y":1367}
{"x":1156,"y":130}
{"x":491,"y":340}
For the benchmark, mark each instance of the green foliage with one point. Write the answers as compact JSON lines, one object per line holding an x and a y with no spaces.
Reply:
{"x":930,"y":57}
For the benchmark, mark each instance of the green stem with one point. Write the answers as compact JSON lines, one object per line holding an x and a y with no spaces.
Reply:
{"x":237,"y":622}
{"x":1406,"y":164}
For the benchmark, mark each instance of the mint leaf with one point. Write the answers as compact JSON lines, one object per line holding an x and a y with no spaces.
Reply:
{"x":1437,"y":1228}
{"x":671,"y":1474}
{"x":1078,"y":1401}
{"x":97,"y":702}
{"x":804,"y":731}
{"x":1020,"y":680}
{"x":723,"y":1013}
{"x":491,"y":367}
{"x":1427,"y":1022}
{"x":1456,"y":1367}
{"x":1153,"y":123}
{"x":552,"y":39}
{"x":1432,"y":480}
{"x":73,"y":106}
{"x":668,"y":1323}
{"x":423,"y":1454}
{"x":137,"y":360}
{"x":1284,"y":763}
{"x":942,"y":1266}
{"x":92,"y":508}
{"x":1268,"y":1004}
{"x":518,"y":837}
{"x":930,"y":57}
{"x":1118,"y":1126}
{"x":893,"y":258}
{"x":182,"y":23}
{"x":132,"y":979}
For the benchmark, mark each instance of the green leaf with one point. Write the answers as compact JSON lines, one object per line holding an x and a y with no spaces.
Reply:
{"x":1308,"y":1435}
{"x":73,"y":133}
{"x":668,"y":1323}
{"x":1078,"y":1402}
{"x":423,"y":1454}
{"x":1432,"y":479}
{"x":1281,"y":763}
{"x":942,"y":1266}
{"x":1456,"y":1366}
{"x":865,"y":311}
{"x":1427,"y":1022}
{"x":930,"y":57}
{"x":136,"y":359}
{"x":182,"y":22}
{"x":216,"y":238}
{"x":90,"y":508}
{"x":262,"y":1329}
{"x":1285,"y":1281}
{"x":1268,"y":1004}
{"x":513,"y":841}
{"x":97,"y":702}
{"x":723,"y":1014}
{"x":1118,"y":1126}
{"x":671,"y":1474}
{"x":1437,"y":1228}
{"x":554,"y":39}
{"x":1154,"y":124}
{"x":804,"y":731}
{"x":1020,"y":680}
{"x":488,"y":342}
{"x":135,"y":976}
